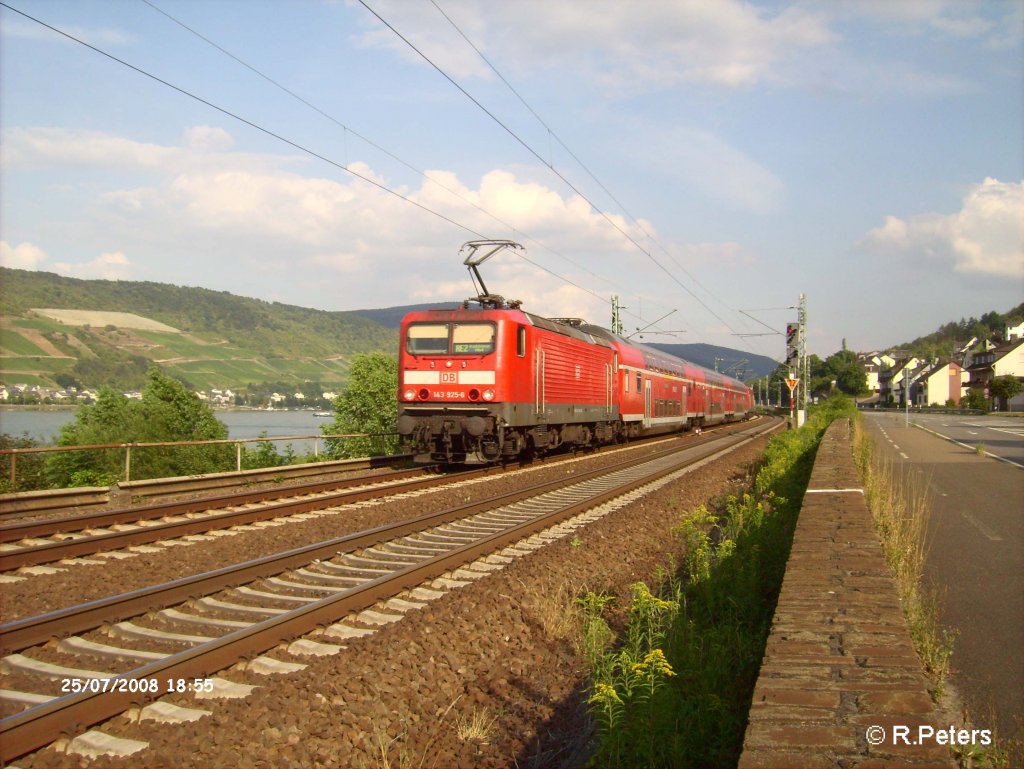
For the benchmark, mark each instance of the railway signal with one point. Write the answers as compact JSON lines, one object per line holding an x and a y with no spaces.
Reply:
{"x":797,"y":361}
{"x":792,"y":344}
{"x":791,"y":383}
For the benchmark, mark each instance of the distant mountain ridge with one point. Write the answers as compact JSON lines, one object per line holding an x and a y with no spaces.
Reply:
{"x":391,"y":317}
{"x":57,"y":332}
{"x":217,"y":339}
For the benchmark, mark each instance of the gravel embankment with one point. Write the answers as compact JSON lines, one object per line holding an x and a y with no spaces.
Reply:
{"x":499,"y":651}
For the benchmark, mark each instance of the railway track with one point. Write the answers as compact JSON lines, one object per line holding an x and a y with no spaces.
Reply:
{"x":133,"y":648}
{"x":56,"y":501}
{"x":47,"y":540}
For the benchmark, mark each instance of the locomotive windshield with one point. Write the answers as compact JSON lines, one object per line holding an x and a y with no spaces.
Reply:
{"x":450,"y":339}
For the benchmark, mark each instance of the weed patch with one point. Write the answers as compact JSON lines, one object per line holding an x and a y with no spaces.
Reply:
{"x":673,"y":688}
{"x":900,"y":509}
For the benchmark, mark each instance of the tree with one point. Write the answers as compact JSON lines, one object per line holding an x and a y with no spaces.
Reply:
{"x":166,"y":412}
{"x":65,"y":380}
{"x":369,"y":404}
{"x":975,"y":399}
{"x":840,"y":370}
{"x":1005,"y":387}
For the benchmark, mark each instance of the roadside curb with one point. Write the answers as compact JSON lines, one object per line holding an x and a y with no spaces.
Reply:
{"x":840,"y":684}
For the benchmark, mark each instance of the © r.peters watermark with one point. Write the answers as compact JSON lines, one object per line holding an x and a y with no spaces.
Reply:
{"x":924,"y":734}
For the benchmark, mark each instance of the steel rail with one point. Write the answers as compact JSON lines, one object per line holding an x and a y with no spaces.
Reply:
{"x":39,"y":554}
{"x":55,"y":551}
{"x":29,"y":631}
{"x":41,"y":724}
{"x":42,"y":527}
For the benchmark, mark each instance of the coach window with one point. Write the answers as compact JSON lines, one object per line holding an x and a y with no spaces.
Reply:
{"x":639,"y":382}
{"x":427,"y":339}
{"x":472,"y":338}
{"x":521,"y":341}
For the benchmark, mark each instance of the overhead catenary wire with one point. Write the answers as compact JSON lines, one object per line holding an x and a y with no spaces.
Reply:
{"x":551,"y":132}
{"x":246,"y":121}
{"x":318,"y":155}
{"x":349,"y":130}
{"x":289,"y":142}
{"x":540,"y":158}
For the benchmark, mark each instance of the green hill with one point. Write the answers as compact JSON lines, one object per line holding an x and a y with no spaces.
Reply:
{"x":951,"y":336}
{"x":206,"y":338}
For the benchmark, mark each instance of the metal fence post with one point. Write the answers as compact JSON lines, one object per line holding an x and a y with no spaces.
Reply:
{"x":238,"y":457}
{"x":128,"y":462}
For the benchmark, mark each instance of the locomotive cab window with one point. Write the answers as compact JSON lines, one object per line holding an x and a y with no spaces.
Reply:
{"x":450,"y":339}
{"x":473,"y":338}
{"x":427,"y":339}
{"x":521,"y":341}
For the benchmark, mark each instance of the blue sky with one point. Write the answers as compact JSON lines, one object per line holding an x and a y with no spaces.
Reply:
{"x":711,"y":159}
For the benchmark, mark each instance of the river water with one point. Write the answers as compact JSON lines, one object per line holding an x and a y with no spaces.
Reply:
{"x":44,"y":425}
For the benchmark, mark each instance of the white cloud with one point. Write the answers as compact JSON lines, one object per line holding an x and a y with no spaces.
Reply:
{"x":208,"y":138}
{"x":24,"y":256}
{"x":206,"y":214}
{"x":108,"y":266}
{"x":99,"y":36}
{"x":985,"y":237}
{"x":952,"y":18}
{"x":113,"y":265}
{"x":423,"y":26}
{"x":205,"y":147}
{"x":725,"y":43}
{"x":34,"y":147}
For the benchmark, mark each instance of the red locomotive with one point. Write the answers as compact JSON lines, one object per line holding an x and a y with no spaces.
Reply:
{"x":478,"y":384}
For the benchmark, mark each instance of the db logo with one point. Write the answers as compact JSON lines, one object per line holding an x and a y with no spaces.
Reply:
{"x":449,"y":377}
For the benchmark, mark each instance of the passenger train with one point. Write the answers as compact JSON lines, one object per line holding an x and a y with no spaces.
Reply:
{"x":489,"y":381}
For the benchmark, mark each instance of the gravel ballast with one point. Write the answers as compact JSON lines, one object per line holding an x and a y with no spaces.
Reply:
{"x":485,"y":676}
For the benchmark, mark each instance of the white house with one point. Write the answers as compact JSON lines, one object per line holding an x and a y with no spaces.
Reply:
{"x":892,"y":381}
{"x":1003,"y":360}
{"x":941,"y":383}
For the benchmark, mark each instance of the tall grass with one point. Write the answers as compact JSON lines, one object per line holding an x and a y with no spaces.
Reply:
{"x":899,"y":505}
{"x":674,"y":688}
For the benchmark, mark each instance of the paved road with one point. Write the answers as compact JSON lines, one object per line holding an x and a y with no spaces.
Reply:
{"x":976,"y":556}
{"x":1002,"y":437}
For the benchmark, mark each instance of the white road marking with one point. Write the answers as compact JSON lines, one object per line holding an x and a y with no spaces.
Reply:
{"x":988,"y":454}
{"x":981,"y":527}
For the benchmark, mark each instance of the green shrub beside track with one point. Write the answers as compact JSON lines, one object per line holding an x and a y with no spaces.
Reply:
{"x":675,"y":687}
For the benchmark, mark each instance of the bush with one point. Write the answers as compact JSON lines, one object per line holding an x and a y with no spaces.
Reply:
{"x":676,"y":690}
{"x":30,"y":468}
{"x":368,"y":405}
{"x":167,"y":412}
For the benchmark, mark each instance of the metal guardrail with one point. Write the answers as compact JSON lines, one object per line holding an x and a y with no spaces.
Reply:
{"x":237,"y":442}
{"x":934,"y":410}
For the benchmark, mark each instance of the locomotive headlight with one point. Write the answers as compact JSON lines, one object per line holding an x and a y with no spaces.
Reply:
{"x":488,"y":394}
{"x":409,"y":394}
